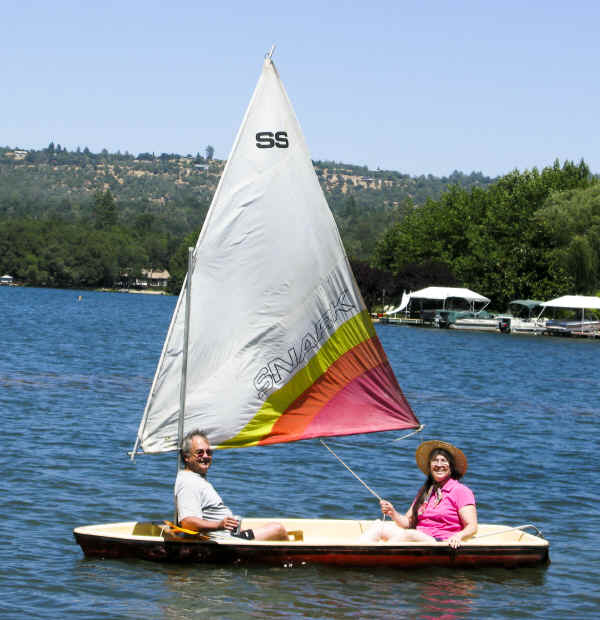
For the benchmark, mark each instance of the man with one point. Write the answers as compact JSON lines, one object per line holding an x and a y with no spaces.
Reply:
{"x":199,"y":506}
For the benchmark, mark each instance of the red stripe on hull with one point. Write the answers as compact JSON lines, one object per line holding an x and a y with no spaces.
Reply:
{"x":297,"y":555}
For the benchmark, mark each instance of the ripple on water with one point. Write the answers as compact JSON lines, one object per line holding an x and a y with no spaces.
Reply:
{"x":73,"y":383}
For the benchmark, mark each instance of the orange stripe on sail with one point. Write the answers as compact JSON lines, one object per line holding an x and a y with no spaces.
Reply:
{"x":354,"y":363}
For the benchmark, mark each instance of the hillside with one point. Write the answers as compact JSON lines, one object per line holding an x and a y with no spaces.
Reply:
{"x":174,"y":191}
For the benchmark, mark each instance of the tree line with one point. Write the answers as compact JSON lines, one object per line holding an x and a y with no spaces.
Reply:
{"x":526,"y":234}
{"x":532,"y":234}
{"x":88,"y":253}
{"x":174,"y":192}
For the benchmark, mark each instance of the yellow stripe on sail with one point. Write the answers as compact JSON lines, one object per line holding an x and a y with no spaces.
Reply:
{"x":353,"y":332}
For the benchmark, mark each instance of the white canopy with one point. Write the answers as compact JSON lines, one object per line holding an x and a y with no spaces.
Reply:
{"x":573,"y":301}
{"x":403,"y":304}
{"x":444,"y":292}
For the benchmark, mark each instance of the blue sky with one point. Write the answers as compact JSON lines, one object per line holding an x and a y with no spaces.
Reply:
{"x":420,"y":87}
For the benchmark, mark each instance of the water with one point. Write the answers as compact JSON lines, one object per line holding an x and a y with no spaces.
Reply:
{"x":73,"y":382}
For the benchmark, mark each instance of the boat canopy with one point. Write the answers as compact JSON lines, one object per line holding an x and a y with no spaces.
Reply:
{"x":442,"y":293}
{"x":573,"y":301}
{"x":445,"y":292}
{"x":528,"y":303}
{"x":403,"y":304}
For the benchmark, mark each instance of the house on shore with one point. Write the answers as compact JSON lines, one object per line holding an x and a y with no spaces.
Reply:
{"x":154,"y":278}
{"x":150,"y":279}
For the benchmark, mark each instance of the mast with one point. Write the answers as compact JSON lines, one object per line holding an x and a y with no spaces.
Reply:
{"x":184,"y":364}
{"x":184,"y":361}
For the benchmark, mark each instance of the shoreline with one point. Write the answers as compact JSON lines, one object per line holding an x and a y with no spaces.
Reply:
{"x":133,"y":291}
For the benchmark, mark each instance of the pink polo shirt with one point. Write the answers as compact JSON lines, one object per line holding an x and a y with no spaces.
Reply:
{"x":441,"y":520}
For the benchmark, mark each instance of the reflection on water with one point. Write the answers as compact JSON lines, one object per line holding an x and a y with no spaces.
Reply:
{"x":445,"y":598}
{"x":325,"y":592}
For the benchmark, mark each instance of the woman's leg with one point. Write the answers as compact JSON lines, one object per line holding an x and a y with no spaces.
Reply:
{"x":387,"y":531}
{"x":382,"y":531}
{"x":416,"y":536}
{"x":373,"y":534}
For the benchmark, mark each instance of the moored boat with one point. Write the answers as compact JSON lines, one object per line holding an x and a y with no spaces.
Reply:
{"x":578,"y":324}
{"x":474,"y":321}
{"x":442,"y":306}
{"x":523,"y":317}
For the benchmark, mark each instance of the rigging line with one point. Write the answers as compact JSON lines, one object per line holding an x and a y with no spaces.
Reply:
{"x":346,"y":466}
{"x":135,"y":449}
{"x":510,"y":529}
{"x":418,"y":430}
{"x":340,"y":442}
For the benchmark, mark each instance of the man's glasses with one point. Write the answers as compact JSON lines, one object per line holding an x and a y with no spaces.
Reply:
{"x":201,"y":452}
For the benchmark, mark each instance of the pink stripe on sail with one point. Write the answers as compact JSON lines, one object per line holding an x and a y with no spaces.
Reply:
{"x":372,"y":402}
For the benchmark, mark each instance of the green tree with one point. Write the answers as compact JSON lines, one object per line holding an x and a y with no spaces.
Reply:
{"x":490,"y":238}
{"x":568,"y":227}
{"x":105,"y":210}
{"x":178,"y":265}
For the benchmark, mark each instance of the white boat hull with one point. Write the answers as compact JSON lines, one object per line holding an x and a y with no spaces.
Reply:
{"x":487,"y":325}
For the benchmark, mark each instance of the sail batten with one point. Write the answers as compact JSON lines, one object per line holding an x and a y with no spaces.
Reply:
{"x":281,"y":347}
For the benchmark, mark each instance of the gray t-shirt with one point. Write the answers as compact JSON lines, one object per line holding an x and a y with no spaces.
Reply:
{"x":196,"y":497}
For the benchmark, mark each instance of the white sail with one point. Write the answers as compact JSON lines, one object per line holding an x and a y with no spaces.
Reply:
{"x":270,"y":286}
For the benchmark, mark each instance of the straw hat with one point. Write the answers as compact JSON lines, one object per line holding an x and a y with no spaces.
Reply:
{"x":427,"y":447}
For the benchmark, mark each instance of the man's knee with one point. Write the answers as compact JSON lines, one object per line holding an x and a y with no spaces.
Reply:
{"x":279,"y":532}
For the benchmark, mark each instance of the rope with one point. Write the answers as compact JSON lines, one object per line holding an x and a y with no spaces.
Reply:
{"x":510,"y":529}
{"x":357,"y":477}
{"x":418,"y":430}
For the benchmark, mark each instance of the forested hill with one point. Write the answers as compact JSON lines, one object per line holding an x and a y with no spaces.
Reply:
{"x":80,"y":219}
{"x":172,"y":192}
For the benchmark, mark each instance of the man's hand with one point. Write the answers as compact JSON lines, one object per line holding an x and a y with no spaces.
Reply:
{"x":228,"y":523}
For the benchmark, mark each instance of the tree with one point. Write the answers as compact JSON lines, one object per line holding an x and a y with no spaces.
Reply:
{"x":178,"y":264}
{"x":492,"y":240}
{"x":210,"y":151}
{"x":105,"y":210}
{"x":568,"y":226}
{"x":582,"y":264}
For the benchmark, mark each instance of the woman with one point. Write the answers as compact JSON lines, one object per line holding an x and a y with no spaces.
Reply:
{"x":443,"y":510}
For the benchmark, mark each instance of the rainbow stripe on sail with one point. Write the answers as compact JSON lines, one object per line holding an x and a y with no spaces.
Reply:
{"x":347,"y":388}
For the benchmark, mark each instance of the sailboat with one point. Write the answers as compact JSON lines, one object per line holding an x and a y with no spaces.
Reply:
{"x":271,"y":342}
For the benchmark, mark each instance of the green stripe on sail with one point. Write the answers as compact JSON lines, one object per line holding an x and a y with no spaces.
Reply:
{"x":353,"y":332}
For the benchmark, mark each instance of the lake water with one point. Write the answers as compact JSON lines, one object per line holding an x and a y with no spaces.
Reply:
{"x":74,"y":377}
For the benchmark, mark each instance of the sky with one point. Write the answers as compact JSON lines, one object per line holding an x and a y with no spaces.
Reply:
{"x":420,"y":87}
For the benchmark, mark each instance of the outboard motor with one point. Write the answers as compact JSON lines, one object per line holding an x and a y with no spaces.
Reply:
{"x":504,"y":325}
{"x":442,"y":319}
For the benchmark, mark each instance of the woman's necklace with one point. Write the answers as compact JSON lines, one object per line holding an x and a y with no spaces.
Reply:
{"x":435,"y":490}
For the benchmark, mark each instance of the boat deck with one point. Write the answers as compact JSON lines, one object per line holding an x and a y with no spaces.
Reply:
{"x":346,"y":531}
{"x":310,"y":532}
